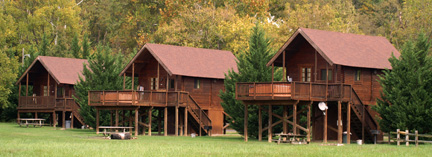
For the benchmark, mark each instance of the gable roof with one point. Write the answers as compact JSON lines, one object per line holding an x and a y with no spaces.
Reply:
{"x":63,"y":70}
{"x":189,"y":61}
{"x":346,"y":49}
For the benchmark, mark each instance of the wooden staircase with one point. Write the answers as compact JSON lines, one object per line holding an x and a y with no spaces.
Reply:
{"x":361,"y":117}
{"x":76,"y":114}
{"x":202,"y":121}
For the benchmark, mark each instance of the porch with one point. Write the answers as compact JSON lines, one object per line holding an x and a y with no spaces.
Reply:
{"x":306,"y":91}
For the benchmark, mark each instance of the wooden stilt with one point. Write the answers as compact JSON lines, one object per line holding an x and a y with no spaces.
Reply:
{"x":54,"y":119}
{"x":116,"y":117}
{"x":339,"y":123}
{"x":308,"y":122}
{"x":64,"y":120}
{"x":295,"y":118}
{"x":363,"y":122}
{"x":136,"y":121}
{"x":166,"y":121}
{"x":150,"y":120}
{"x":177,"y":121}
{"x":186,"y":121}
{"x":349,"y":123}
{"x":130,"y":118}
{"x":270,"y":127}
{"x":18,"y":117}
{"x":246,"y":123}
{"x":259,"y":123}
{"x":325,"y":127}
{"x":97,"y":121}
{"x":36,"y":115}
{"x":285,"y":124}
{"x":72,"y":120}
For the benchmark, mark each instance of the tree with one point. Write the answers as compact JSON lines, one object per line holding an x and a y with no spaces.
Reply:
{"x":251,"y":68}
{"x":8,"y":69}
{"x":43,"y":50}
{"x":406,"y":98}
{"x":75,"y":48}
{"x":101,"y":73}
{"x":85,"y":47}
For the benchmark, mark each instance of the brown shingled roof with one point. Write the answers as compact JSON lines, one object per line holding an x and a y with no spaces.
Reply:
{"x":189,"y":61}
{"x":63,"y":70}
{"x":347,"y":49}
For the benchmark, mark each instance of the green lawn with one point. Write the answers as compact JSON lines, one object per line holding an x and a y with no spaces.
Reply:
{"x":46,"y":141}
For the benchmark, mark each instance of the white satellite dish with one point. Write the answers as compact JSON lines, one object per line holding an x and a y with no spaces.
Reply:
{"x":323,"y":107}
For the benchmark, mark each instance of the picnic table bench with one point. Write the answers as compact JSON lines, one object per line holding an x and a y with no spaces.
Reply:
{"x":115,"y":128}
{"x":31,"y":121}
{"x":291,"y":138}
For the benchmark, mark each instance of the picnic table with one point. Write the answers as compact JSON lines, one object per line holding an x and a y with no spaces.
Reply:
{"x":115,"y":128}
{"x":291,"y":138}
{"x":31,"y":121}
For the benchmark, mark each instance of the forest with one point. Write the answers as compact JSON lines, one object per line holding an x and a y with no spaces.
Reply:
{"x":76,"y":28}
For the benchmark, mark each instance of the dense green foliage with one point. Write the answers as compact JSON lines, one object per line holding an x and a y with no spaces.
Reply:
{"x":406,"y":101}
{"x":251,"y":68}
{"x":8,"y":68}
{"x":46,"y":141}
{"x":101,"y":73}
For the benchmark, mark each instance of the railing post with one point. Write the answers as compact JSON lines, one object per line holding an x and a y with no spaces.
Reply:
{"x":272,"y":92}
{"x":118,"y":98}
{"x":236,"y":91}
{"x":255,"y":90}
{"x":310,"y":90}
{"x":389,"y":137}
{"x":398,"y":137}
{"x":416,"y":138}
{"x":103,"y":98}
{"x":151,"y":97}
{"x":407,"y":137}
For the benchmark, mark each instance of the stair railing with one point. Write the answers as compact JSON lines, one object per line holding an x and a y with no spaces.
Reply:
{"x":196,"y":109}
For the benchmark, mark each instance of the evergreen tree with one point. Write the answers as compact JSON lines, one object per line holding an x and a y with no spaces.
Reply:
{"x":251,"y":68}
{"x":44,"y":46}
{"x":406,"y":98}
{"x":101,"y":73}
{"x":75,"y":47}
{"x":85,"y":47}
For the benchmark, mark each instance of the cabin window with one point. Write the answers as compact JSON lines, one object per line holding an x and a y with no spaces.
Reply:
{"x":60,"y":92}
{"x":306,"y":74}
{"x":324,"y":74}
{"x":153,"y":83}
{"x":171,"y":83}
{"x":357,"y":76}
{"x":197,"y":83}
{"x":45,"y":90}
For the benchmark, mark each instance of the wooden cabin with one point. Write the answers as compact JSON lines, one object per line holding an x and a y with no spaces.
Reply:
{"x":49,"y":85}
{"x":181,"y":84}
{"x":339,"y":69}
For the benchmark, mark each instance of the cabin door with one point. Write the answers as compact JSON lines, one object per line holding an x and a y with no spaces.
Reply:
{"x":305,"y":74}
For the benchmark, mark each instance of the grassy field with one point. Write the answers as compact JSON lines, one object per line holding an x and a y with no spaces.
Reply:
{"x":46,"y":141}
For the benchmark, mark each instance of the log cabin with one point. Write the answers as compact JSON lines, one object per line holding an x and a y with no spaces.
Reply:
{"x":180,"y":84}
{"x":51,"y":81}
{"x":338,"y":69}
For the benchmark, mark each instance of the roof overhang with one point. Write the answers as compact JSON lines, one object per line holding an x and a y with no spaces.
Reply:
{"x":145,"y":47}
{"x":31,"y":66}
{"x":291,"y":39}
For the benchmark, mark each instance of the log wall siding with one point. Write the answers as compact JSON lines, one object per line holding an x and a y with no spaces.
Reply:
{"x":305,"y":57}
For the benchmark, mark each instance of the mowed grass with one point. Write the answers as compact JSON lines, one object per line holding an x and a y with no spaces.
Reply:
{"x":47,"y":141}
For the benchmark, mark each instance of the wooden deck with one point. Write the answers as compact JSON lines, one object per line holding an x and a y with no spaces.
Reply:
{"x":137,"y":98}
{"x":293,"y":91}
{"x":126,"y":99}
{"x":46,"y":103}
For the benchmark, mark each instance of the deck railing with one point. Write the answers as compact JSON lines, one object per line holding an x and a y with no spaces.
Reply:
{"x":136,"y":98}
{"x":292,"y":90}
{"x":35,"y":102}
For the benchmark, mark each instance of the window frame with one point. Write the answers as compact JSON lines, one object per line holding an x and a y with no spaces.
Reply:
{"x":197,"y":83}
{"x":324,"y":74}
